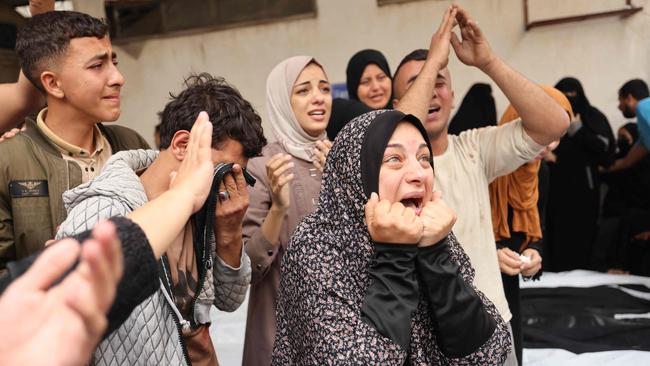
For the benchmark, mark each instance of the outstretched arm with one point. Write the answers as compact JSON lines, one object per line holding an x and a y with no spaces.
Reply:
{"x":544,"y":120}
{"x":637,"y":152}
{"x":417,"y":98}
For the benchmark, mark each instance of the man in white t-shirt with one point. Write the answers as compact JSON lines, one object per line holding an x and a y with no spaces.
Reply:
{"x":466,"y":164}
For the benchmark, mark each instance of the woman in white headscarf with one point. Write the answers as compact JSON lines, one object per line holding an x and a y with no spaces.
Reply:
{"x":298,"y":101}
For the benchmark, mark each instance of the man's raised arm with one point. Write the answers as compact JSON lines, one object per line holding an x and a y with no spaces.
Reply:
{"x":544,"y":120}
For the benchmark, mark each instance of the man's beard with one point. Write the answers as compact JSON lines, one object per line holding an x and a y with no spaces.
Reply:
{"x":629,"y":112}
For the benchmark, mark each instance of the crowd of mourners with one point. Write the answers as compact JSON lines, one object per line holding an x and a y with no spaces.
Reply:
{"x":371,"y":231}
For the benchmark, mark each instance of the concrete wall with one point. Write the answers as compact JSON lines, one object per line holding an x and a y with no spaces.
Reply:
{"x":602,"y":53}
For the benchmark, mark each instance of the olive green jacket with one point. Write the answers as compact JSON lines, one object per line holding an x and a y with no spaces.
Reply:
{"x":33,"y":177}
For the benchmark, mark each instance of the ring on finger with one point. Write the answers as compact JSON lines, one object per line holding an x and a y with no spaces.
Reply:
{"x":223,"y":195}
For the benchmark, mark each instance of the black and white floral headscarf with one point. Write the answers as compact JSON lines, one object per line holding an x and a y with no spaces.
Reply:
{"x":324,"y":276}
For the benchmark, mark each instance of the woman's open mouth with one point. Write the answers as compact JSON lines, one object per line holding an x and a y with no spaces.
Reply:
{"x":415,"y":203}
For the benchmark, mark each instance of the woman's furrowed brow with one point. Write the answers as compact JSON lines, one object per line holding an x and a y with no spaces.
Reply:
{"x":395,"y":146}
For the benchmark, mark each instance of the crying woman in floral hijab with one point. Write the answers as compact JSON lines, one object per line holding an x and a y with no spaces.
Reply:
{"x":374,"y":276}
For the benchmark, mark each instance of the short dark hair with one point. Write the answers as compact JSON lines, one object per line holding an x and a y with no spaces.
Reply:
{"x":637,"y":88}
{"x":231,"y":115}
{"x":47,"y":36}
{"x":417,"y":55}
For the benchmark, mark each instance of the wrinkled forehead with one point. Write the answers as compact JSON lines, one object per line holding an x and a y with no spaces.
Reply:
{"x":377,"y":136}
{"x":406,"y":134}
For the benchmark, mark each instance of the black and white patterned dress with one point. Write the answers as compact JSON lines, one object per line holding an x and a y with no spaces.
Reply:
{"x":325,"y":275}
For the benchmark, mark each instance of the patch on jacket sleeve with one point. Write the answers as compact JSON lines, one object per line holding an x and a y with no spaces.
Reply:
{"x":28,"y":188}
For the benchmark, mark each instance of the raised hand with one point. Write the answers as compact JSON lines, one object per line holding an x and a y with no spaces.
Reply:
{"x":60,"y":315}
{"x":439,"y":47}
{"x":437,"y":220}
{"x":229,"y":216}
{"x":194,"y":176}
{"x":320,"y":154}
{"x":473,"y":48}
{"x":392,"y":222}
{"x":277,"y":172}
{"x":418,"y":96}
{"x":231,"y":210}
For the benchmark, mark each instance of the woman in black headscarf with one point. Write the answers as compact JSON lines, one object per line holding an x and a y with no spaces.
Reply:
{"x":369,"y":86}
{"x":574,"y":199}
{"x":477,"y":110}
{"x":350,"y":294}
{"x":368,"y":79}
{"x":592,"y":129}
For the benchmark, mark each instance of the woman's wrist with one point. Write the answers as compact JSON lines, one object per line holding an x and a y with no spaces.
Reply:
{"x":278,"y":209}
{"x":272,"y":224}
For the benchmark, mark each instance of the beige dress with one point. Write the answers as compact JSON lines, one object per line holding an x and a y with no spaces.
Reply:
{"x":265,"y":260}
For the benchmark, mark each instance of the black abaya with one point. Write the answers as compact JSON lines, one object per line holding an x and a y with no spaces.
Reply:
{"x":477,"y":110}
{"x":574,"y":200}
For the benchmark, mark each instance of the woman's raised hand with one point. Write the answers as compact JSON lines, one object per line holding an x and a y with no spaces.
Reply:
{"x":320,"y":154}
{"x":279,"y":176}
{"x":437,"y":220}
{"x":392,"y":222}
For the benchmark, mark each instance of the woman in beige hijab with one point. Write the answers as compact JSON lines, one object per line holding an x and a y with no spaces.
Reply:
{"x":298,"y":101}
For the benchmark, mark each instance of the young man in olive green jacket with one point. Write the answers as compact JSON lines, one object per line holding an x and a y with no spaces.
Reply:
{"x":69,"y":57}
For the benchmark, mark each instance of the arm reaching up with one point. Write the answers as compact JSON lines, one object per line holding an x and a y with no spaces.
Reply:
{"x":544,"y":120}
{"x":417,"y":98}
{"x":163,"y":218}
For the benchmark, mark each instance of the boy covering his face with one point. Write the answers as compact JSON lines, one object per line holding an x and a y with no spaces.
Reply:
{"x":206,"y":264}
